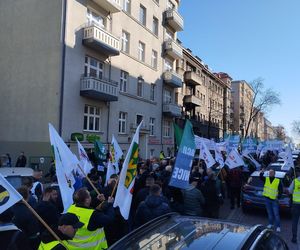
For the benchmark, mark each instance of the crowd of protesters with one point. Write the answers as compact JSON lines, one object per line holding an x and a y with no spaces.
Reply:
{"x":152,"y":197}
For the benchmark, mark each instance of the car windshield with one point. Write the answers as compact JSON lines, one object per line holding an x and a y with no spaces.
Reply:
{"x":15,"y":181}
{"x":188,"y":233}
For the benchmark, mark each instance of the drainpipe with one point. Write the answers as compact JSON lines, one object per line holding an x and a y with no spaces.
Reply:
{"x":63,"y":59}
{"x":108,"y":105}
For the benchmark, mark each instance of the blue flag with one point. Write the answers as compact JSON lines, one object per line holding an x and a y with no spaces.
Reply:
{"x":184,"y":158}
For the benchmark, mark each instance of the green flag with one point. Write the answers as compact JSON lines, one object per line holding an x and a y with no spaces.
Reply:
{"x":178,"y":134}
{"x":100,"y":151}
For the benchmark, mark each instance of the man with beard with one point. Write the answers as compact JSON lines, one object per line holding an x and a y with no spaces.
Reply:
{"x":46,"y":208}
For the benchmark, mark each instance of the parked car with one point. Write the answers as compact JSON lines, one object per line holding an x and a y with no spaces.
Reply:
{"x":252,"y":191}
{"x":174,"y":231}
{"x":15,"y":175}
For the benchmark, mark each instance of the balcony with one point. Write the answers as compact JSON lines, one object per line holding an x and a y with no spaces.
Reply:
{"x":191,"y":101}
{"x":192,"y":78}
{"x":173,"y":49}
{"x":101,"y":40}
{"x":143,"y":130}
{"x":171,"y":109}
{"x":99,"y":89}
{"x":172,"y":78}
{"x":111,"y":6}
{"x":174,"y":20}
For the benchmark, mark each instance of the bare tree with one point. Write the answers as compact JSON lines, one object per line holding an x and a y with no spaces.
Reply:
{"x":279,"y":132}
{"x":263,"y":99}
{"x":296,"y":127}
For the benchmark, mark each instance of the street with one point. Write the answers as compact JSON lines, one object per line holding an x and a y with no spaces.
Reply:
{"x":257,"y":216}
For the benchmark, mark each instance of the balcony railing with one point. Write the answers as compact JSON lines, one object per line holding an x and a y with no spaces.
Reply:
{"x":101,"y":40}
{"x":99,"y":88}
{"x":192,"y":78}
{"x":171,"y":109}
{"x":111,"y":6}
{"x":174,"y":19}
{"x":172,"y":79}
{"x":173,"y":49}
{"x":192,"y":100}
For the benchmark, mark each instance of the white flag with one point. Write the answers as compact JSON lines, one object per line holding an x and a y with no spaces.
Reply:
{"x":66,"y":165}
{"x":85,"y":162}
{"x":218,"y":155}
{"x":8,"y":195}
{"x":234,"y":159}
{"x":206,"y":155}
{"x":127,"y":177}
{"x":289,"y":161}
{"x":115,"y":153}
{"x":246,"y":154}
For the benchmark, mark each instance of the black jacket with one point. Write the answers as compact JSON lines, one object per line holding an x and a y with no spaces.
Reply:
{"x":49,"y":213}
{"x":151,"y":208}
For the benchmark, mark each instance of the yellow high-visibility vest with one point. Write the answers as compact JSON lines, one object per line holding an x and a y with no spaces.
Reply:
{"x":49,"y":245}
{"x":271,"y":189}
{"x":85,"y":239}
{"x":296,"y":192}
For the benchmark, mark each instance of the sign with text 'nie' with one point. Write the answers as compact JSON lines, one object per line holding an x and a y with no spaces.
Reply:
{"x":184,"y":159}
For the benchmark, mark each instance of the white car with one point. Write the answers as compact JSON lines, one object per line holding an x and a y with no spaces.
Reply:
{"x":15,"y":175}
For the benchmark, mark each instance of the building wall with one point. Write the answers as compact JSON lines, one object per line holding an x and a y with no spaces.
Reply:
{"x":30,"y":74}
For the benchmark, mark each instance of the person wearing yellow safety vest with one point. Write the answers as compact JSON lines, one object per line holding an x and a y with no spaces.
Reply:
{"x":294,"y":189}
{"x":67,"y":226}
{"x":272,"y":192}
{"x":91,"y":236}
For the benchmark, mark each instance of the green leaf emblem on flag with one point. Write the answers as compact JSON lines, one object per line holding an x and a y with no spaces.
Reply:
{"x":132,"y":165}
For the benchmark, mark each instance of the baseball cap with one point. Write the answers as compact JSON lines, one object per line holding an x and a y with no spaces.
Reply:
{"x":70,"y":219}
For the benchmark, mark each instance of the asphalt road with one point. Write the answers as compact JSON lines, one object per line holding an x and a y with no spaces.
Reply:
{"x":257,"y":216}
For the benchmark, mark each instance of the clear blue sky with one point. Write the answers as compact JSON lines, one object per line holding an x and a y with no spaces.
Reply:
{"x":249,"y":39}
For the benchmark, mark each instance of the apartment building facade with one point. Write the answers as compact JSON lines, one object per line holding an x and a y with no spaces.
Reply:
{"x":204,"y":96}
{"x":94,"y":67}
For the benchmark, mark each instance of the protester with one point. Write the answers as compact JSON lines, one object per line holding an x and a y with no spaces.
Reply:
{"x":155,"y":205}
{"x":235,"y":184}
{"x":91,"y":235}
{"x":272,"y":192}
{"x":294,"y":189}
{"x":11,"y":237}
{"x":67,"y":227}
{"x":37,"y":186}
{"x":21,"y":161}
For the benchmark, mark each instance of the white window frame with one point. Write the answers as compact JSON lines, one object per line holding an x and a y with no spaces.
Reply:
{"x":168,"y":65}
{"x":95,"y":18}
{"x":152,"y":126}
{"x":125,"y":41}
{"x":123,"y":80}
{"x":154,"y":59}
{"x":140,"y":87}
{"x":122,"y":122}
{"x":166,"y":128}
{"x":127,"y":6}
{"x":152,"y":92}
{"x":141,"y":51}
{"x":93,"y":114}
{"x":143,"y":15}
{"x":88,"y":66}
{"x":155,"y":24}
{"x":167,"y":96}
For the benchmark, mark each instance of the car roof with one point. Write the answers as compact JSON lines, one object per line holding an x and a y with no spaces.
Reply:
{"x":7,"y":171}
{"x":186,"y":232}
{"x":278,"y":174}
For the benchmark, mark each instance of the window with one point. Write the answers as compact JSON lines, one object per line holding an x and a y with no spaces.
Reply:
{"x":122,"y":122}
{"x":141,"y":55}
{"x":154,"y":59}
{"x":151,"y":126}
{"x":166,"y":128}
{"x":167,"y":96}
{"x":155,"y":26}
{"x":94,"y":18}
{"x":169,"y":35}
{"x":91,"y":118}
{"x":142,"y":15}
{"x":140,"y":84}
{"x":127,"y":5}
{"x":168,"y":65}
{"x":93,"y":68}
{"x":125,"y":41}
{"x":151,"y":156}
{"x":170,"y":5}
{"x":123,"y":81}
{"x":139,"y":119}
{"x":152,"y":92}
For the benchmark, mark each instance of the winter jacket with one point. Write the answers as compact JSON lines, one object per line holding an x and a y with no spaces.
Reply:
{"x":193,"y":201}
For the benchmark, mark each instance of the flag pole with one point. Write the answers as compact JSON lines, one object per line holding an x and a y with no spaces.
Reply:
{"x":115,"y":187}
{"x":43,"y":222}
{"x":88,"y":179}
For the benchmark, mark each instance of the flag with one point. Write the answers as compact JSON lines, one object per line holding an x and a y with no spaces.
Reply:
{"x":184,"y":159}
{"x":247,"y":155}
{"x":85,"y":162}
{"x":178,"y":134}
{"x":115,"y":153}
{"x":100,"y":151}
{"x":65,"y":164}
{"x":218,"y":155}
{"x":206,"y":155}
{"x":234,"y":159}
{"x":8,"y":195}
{"x":288,"y":161}
{"x":127,"y":176}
